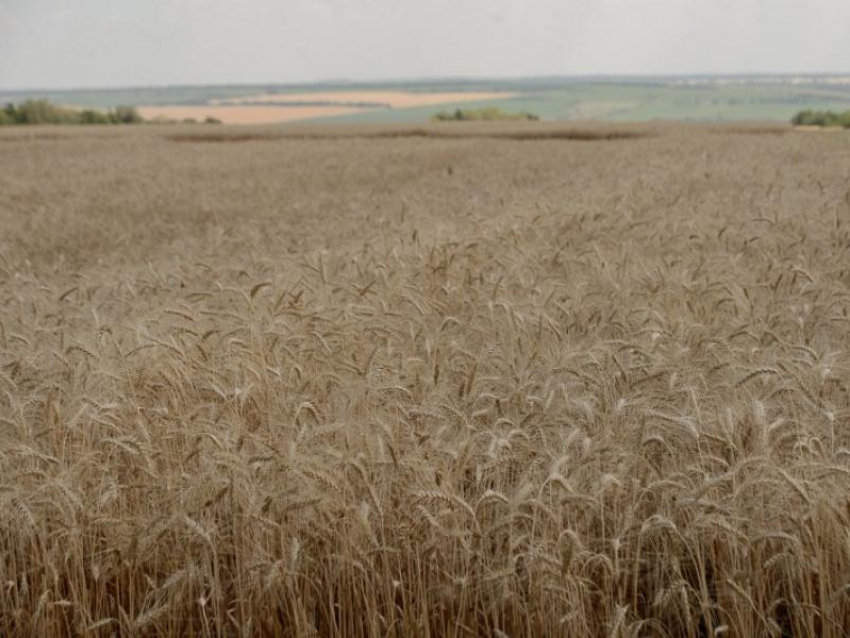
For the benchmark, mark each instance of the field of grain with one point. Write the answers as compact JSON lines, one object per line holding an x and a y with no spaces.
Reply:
{"x":526,"y":381}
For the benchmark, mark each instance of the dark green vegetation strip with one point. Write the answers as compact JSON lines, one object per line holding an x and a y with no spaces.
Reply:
{"x":575,"y":134}
{"x":486,"y":114}
{"x":822,"y":118}
{"x":43,"y":112}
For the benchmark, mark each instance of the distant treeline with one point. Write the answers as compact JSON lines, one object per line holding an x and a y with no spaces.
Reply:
{"x":821,"y":118}
{"x":43,"y":112}
{"x":488,"y":113}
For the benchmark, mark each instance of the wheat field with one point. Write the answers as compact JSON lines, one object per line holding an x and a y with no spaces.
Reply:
{"x":460,"y":381}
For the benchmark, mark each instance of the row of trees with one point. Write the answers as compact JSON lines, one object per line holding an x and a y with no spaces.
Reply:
{"x":487,"y":113}
{"x":43,"y":112}
{"x":810,"y":117}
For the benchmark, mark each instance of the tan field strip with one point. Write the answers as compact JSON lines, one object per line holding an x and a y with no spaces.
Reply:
{"x":236,"y":114}
{"x":270,"y":109}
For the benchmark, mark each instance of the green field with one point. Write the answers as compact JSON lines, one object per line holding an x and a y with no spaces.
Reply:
{"x":646,"y":102}
{"x":626,"y":99}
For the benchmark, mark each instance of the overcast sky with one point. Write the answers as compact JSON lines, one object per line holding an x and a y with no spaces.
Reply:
{"x":98,"y":43}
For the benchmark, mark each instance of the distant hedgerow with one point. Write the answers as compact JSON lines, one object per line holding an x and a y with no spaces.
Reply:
{"x":43,"y":112}
{"x":811,"y":117}
{"x":487,"y":113}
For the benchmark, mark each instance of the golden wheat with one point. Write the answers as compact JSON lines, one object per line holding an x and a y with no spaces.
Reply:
{"x":507,"y":382}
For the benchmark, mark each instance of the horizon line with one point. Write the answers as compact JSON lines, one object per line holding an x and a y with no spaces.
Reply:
{"x":447,"y":78}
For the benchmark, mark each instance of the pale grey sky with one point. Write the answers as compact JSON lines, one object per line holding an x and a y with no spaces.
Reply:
{"x":75,"y":43}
